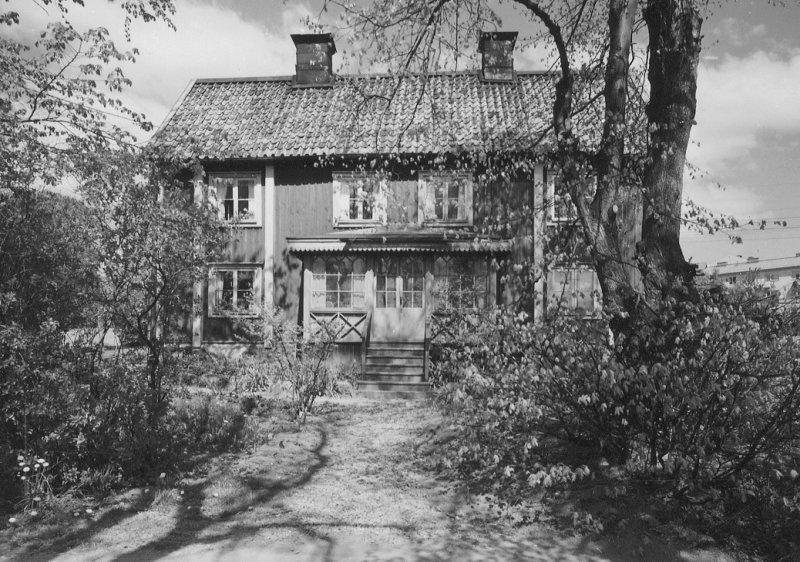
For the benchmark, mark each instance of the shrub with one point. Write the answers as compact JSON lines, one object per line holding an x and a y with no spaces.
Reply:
{"x":704,"y":397}
{"x":299,"y":358}
{"x":207,"y":422}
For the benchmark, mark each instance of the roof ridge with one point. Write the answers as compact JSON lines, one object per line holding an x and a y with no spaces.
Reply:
{"x":289,"y":78}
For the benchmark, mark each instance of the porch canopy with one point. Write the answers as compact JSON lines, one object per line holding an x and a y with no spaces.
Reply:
{"x":413,"y":240}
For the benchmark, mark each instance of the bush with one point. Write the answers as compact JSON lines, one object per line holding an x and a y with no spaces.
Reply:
{"x":293,"y":356}
{"x":98,"y":428}
{"x":208,"y":423}
{"x":704,"y":398}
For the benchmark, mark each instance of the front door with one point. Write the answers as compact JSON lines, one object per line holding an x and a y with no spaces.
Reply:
{"x":399,"y":314}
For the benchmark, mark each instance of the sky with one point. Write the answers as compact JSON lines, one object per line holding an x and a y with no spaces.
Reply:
{"x":745,"y":145}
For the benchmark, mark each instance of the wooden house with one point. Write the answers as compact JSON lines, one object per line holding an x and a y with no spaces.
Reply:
{"x":367,"y":200}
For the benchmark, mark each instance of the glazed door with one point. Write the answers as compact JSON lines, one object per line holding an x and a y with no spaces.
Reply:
{"x":399,"y":314}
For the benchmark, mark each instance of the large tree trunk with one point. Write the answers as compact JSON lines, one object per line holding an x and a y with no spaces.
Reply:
{"x":611,"y":222}
{"x":674,"y":50}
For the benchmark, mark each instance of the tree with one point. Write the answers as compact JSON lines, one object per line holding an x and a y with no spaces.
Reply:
{"x":631,"y":223}
{"x":152,"y":242}
{"x":59,"y":93}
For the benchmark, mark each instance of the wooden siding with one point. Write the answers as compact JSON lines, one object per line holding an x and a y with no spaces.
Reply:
{"x":402,"y":202}
{"x":303,"y":207}
{"x":246,"y":246}
{"x":506,"y":208}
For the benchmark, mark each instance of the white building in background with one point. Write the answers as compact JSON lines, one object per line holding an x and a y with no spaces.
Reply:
{"x":779,"y":274}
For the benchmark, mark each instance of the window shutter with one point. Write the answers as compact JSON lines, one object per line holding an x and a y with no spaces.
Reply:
{"x":341,"y":201}
{"x":259,"y":202}
{"x":258,"y":288}
{"x":214,"y":199}
{"x":468,"y":200}
{"x":427,"y":203}
{"x":381,"y":201}
{"x":212,"y":292}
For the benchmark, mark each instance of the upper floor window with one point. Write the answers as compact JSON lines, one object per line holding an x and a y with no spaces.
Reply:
{"x":559,"y":201}
{"x":445,"y":197}
{"x":358,"y":198}
{"x":237,"y":197}
{"x":233,"y":291}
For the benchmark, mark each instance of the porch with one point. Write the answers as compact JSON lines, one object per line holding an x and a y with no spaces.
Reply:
{"x":385,"y":297}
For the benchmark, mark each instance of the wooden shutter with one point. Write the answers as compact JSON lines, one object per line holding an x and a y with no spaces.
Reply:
{"x":426,"y":205}
{"x":258,"y":201}
{"x":341,"y":201}
{"x":213,"y":197}
{"x":212,"y":292}
{"x":468,"y":200}
{"x":381,"y":201}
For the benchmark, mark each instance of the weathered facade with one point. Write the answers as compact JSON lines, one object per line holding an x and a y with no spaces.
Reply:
{"x":369,"y":202}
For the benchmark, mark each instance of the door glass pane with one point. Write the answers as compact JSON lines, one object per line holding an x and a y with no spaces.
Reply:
{"x":411,"y":272}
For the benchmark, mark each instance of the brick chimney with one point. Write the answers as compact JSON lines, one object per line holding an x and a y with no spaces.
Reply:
{"x":314,"y":59}
{"x":497,"y":48}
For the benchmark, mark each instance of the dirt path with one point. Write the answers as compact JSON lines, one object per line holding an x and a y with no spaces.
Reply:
{"x":351,"y":486}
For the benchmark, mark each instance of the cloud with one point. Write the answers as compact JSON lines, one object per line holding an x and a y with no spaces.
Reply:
{"x":737,"y":32}
{"x":735,"y":200}
{"x":210,"y":41}
{"x":739,"y":101}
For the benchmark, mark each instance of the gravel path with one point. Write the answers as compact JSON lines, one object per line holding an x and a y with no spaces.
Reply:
{"x":350,"y":486}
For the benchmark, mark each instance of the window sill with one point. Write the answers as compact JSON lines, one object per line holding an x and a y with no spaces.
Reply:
{"x":242,"y":224}
{"x":446,"y":223}
{"x":352,"y":223}
{"x":243,"y":316}
{"x":318,"y":310}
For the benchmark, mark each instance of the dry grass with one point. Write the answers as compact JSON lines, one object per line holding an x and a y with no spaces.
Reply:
{"x":354,"y":484}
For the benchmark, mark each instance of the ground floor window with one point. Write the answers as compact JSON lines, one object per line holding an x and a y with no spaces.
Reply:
{"x":461,"y":283}
{"x":233,"y":292}
{"x":574,"y":290}
{"x":338,"y":282}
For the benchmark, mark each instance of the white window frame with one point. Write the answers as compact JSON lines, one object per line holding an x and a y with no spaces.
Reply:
{"x":559,"y":292}
{"x":427,"y":198}
{"x":404,"y":288}
{"x":255,"y":202}
{"x":448,"y":283}
{"x":319,"y":284}
{"x":342,"y":199}
{"x":215,"y":287}
{"x":562,"y":201}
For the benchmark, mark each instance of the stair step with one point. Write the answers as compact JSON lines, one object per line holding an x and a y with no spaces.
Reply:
{"x":394,"y":377}
{"x":402,"y":347}
{"x":394,"y":369}
{"x":393,"y":395}
{"x":393,"y":386}
{"x":383,"y":361}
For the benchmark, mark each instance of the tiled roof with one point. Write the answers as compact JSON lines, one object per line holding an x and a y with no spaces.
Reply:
{"x":270,"y":118}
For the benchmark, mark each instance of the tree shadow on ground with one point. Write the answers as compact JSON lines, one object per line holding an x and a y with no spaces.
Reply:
{"x":107,"y":520}
{"x":189,"y":520}
{"x":190,"y":523}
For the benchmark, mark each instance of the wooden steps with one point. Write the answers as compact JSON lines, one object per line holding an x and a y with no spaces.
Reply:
{"x":394,"y":370}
